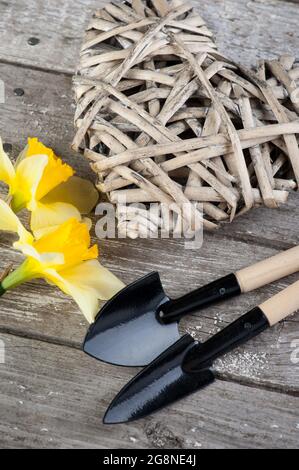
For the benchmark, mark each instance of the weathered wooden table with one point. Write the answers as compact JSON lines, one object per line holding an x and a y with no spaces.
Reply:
{"x":53,"y":395}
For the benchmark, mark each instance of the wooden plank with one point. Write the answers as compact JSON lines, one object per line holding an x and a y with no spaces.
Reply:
{"x":250,"y":30}
{"x":55,"y":397}
{"x":45,"y":110}
{"x":271,"y":227}
{"x":59,"y":28}
{"x":40,"y":311}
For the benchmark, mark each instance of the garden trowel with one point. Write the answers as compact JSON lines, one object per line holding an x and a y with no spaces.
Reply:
{"x":186,"y":366}
{"x":141,"y":321}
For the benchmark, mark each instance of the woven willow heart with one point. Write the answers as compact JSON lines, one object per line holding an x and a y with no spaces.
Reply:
{"x":165,"y":118}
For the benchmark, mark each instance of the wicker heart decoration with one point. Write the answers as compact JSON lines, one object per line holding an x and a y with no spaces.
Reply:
{"x":165,"y":118}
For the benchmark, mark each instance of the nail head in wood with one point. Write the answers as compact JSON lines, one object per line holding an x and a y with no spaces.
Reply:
{"x":33,"y":41}
{"x":19,"y":91}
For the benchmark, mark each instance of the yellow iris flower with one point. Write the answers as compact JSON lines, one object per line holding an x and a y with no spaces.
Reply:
{"x":47,"y":187}
{"x":63,"y":257}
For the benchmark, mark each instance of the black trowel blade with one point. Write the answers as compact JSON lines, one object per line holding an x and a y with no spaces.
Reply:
{"x":158,"y":385}
{"x":126,"y":331}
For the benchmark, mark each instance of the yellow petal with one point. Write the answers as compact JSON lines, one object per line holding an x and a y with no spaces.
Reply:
{"x":21,"y":156}
{"x":35,"y":147}
{"x":77,"y":191}
{"x":10,"y":223}
{"x":43,"y":260}
{"x":87,"y":283}
{"x":87,"y":222}
{"x":7,"y":172}
{"x":26,"y":182}
{"x":46,"y":218}
{"x":47,"y":230}
{"x":72,"y":239}
{"x":56,"y":172}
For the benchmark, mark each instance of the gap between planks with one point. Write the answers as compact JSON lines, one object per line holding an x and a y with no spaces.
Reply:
{"x":36,"y":68}
{"x":225,"y":377}
{"x":221,"y":415}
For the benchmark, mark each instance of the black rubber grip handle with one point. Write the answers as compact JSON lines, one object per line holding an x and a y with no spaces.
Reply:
{"x":221,"y":289}
{"x":244,"y":328}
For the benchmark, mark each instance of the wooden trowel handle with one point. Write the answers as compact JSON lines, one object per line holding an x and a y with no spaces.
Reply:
{"x":245,"y":280}
{"x":243,"y":329}
{"x":269,"y":270}
{"x":282,"y":304}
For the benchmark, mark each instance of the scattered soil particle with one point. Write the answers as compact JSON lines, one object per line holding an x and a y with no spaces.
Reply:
{"x":161,"y":437}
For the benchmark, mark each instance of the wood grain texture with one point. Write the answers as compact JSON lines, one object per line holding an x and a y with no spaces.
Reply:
{"x":64,"y":404}
{"x":60,"y":28}
{"x":270,"y":227}
{"x":250,"y":30}
{"x":52,"y":395}
{"x":43,"y":111}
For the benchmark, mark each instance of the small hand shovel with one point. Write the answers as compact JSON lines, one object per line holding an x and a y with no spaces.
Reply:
{"x":185,"y":367}
{"x":140,"y":322}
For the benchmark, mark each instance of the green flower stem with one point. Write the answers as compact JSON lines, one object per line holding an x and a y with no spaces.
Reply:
{"x":17,"y":203}
{"x":22,"y":274}
{"x":2,"y":290}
